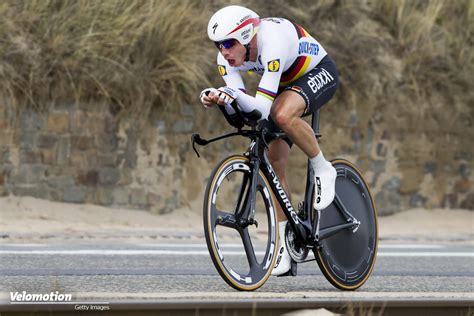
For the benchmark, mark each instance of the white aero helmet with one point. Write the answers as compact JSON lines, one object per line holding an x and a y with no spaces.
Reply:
{"x":233,"y":22}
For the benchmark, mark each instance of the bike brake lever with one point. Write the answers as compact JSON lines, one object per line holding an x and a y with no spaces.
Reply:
{"x":200,"y":141}
{"x":196,"y":139}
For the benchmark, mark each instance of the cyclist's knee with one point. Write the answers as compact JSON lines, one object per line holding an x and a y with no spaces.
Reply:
{"x":283,"y":116}
{"x":280,"y":116}
{"x":285,"y":109}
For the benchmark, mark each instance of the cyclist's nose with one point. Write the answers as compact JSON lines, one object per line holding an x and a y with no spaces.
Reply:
{"x":225,"y":52}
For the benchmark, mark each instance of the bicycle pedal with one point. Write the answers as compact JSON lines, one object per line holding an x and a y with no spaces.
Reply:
{"x":292,"y":271}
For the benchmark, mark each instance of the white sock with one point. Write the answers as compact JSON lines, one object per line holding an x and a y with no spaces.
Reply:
{"x":282,"y":226}
{"x":283,"y":263}
{"x":318,"y":161}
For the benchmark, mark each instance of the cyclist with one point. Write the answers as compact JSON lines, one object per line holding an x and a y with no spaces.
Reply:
{"x":298,"y":77}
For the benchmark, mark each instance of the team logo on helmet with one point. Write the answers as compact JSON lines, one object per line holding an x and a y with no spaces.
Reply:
{"x":274,"y":65}
{"x":222,"y":70}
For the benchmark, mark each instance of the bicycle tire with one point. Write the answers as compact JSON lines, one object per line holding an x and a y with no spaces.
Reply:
{"x":214,"y":217}
{"x":347,"y":258}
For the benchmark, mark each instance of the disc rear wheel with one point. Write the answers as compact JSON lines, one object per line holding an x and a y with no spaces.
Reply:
{"x":348,"y":257}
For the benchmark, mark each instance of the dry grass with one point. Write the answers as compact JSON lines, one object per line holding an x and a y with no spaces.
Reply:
{"x":411,"y":55}
{"x":433,"y":41}
{"x":140,"y":54}
{"x":434,"y":37}
{"x":135,"y":54}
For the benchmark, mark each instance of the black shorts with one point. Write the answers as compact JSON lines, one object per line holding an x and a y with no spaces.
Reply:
{"x":316,"y":87}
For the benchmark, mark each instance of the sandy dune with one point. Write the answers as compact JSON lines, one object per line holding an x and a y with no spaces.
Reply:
{"x":27,"y":218}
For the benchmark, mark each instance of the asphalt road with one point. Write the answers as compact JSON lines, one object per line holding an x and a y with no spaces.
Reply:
{"x":151,"y":270}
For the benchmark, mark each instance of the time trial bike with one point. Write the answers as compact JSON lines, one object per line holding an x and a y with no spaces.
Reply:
{"x":241,"y":227}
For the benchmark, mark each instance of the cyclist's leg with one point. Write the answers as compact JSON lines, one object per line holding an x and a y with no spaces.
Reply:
{"x":303,"y":97}
{"x":278,"y":153}
{"x":287,"y":111}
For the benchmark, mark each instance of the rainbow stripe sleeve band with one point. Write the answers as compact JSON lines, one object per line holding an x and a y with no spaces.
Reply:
{"x":266,"y":93}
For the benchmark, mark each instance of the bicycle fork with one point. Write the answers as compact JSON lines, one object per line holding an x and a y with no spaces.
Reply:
{"x":252,"y":192}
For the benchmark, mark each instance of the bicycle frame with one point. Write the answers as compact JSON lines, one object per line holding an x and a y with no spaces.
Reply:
{"x":307,"y":230}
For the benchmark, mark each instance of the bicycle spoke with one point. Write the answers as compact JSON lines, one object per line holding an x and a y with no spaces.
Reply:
{"x":245,"y":181}
{"x":249,"y":251}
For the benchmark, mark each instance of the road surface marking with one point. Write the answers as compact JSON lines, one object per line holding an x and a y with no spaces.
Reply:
{"x":206,"y":253}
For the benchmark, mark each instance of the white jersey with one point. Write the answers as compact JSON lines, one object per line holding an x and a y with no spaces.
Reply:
{"x":285,"y":53}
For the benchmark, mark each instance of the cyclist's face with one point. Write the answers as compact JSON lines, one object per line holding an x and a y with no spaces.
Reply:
{"x":233,"y":52}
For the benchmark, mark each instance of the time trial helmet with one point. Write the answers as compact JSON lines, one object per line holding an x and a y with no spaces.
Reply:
{"x":233,"y":22}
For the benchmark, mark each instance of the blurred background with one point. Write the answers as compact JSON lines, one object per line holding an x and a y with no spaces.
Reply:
{"x":98,"y":99}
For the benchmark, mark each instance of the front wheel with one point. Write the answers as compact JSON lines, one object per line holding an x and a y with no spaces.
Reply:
{"x":242,"y":240}
{"x":348,"y":257}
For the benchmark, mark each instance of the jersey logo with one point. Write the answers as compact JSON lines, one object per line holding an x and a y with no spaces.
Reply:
{"x":274,"y":65}
{"x":222,"y":70}
{"x":296,"y":89}
{"x":308,"y":48}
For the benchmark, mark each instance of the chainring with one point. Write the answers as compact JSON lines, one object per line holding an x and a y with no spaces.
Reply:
{"x":297,"y":253}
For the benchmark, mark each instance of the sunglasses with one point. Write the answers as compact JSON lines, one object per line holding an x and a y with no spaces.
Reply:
{"x":228,"y":43}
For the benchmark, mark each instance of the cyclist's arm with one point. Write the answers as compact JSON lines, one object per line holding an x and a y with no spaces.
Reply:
{"x":266,"y":93}
{"x":273,"y":62}
{"x":273,"y":57}
{"x":231,"y":76}
{"x":267,"y":88}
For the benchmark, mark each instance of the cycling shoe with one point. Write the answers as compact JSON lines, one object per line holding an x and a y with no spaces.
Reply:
{"x":324,"y":186}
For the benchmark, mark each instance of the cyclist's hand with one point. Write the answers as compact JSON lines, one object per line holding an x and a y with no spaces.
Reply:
{"x":207,"y":97}
{"x":225,"y":96}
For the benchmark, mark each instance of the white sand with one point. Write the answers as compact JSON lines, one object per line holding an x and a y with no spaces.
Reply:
{"x":27,"y":218}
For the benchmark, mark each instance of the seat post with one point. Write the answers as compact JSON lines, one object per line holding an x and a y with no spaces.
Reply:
{"x":315,"y":124}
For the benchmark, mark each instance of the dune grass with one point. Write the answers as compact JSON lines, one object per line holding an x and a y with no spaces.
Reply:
{"x":135,"y":54}
{"x":143,"y":54}
{"x":414,"y":56}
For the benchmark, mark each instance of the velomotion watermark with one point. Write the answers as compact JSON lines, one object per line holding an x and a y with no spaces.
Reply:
{"x":56,"y":298}
{"x":36,"y":297}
